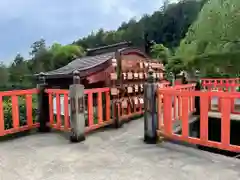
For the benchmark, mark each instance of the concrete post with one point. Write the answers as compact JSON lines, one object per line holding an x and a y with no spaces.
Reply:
{"x":43,"y":105}
{"x":77,"y":117}
{"x":150,"y":106}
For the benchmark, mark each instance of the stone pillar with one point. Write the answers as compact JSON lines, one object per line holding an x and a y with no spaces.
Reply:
{"x":77,"y":117}
{"x":150,"y":106}
{"x":43,"y":104}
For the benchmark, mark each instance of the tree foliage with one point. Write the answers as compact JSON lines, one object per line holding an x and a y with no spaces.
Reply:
{"x":159,"y":51}
{"x":62,"y":55}
{"x":167,"y":26}
{"x":175,"y":65}
{"x":4,"y":74}
{"x":214,"y":37}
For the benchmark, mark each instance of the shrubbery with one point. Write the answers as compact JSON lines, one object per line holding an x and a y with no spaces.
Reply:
{"x":7,"y":109}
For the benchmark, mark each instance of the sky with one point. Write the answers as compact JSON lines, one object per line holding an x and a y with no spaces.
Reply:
{"x":24,"y":21}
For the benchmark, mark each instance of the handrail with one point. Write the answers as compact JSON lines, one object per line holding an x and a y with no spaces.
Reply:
{"x":91,"y":121}
{"x":165,"y":122}
{"x":14,"y":125}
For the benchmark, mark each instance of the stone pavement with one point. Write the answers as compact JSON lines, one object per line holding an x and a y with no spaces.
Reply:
{"x":109,"y":155}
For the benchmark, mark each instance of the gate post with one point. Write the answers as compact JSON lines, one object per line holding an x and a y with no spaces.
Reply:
{"x":77,"y":102}
{"x":150,"y":107}
{"x":43,"y":105}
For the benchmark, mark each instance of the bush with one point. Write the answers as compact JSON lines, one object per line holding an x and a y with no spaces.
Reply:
{"x":7,"y":109}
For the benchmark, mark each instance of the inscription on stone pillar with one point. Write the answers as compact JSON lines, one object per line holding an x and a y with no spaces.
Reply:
{"x":81,"y":105}
{"x":73,"y":105}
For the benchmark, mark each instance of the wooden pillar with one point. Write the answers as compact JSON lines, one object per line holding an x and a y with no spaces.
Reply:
{"x":197,"y":98}
{"x":116,"y":109}
{"x":43,"y":105}
{"x":150,"y":106}
{"x":77,"y":117}
{"x":172,"y":77}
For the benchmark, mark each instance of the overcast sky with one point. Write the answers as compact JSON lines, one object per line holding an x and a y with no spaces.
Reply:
{"x":24,"y":21}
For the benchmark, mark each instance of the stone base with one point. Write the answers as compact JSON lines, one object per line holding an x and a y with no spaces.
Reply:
{"x":76,"y":139}
{"x":150,"y":140}
{"x":118,"y":124}
{"x":44,"y":129}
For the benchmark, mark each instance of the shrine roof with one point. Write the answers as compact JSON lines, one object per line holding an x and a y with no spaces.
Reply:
{"x":95,"y":60}
{"x":81,"y":64}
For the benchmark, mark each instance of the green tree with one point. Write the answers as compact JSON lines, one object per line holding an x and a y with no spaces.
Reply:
{"x":62,"y":55}
{"x":175,"y":66}
{"x":19,"y":72}
{"x":214,"y":32}
{"x":167,"y":26}
{"x":17,"y":69}
{"x":56,"y":56}
{"x":159,"y":51}
{"x":40,"y":57}
{"x":37,"y":46}
{"x":4,"y":74}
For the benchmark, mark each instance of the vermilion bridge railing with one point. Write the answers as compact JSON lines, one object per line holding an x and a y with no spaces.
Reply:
{"x":165,"y":117}
{"x":98,"y":113}
{"x":98,"y":109}
{"x":222,"y":85}
{"x":135,"y":105}
{"x":176,"y":101}
{"x":13,"y":124}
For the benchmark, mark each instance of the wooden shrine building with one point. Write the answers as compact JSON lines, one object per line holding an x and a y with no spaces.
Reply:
{"x":99,"y":66}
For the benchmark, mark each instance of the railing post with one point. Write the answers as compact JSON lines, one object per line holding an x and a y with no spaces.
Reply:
{"x":77,"y":117}
{"x":116,"y":109}
{"x":197,"y":98}
{"x":150,"y":106}
{"x":43,"y":105}
{"x":184,"y":79}
{"x":172,"y":77}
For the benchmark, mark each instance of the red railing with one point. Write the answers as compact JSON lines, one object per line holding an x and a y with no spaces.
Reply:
{"x":130,"y":108}
{"x":165,"y":128}
{"x":133,"y":106}
{"x":176,"y":101}
{"x":60,"y":98}
{"x":98,"y":121}
{"x":95,"y":118}
{"x":98,"y":112}
{"x":164,"y":84}
{"x":14,"y":124}
{"x":222,"y":85}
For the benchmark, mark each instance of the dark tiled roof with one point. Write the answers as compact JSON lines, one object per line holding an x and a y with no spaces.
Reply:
{"x":109,"y":48}
{"x":93,"y":62}
{"x":82,"y":64}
